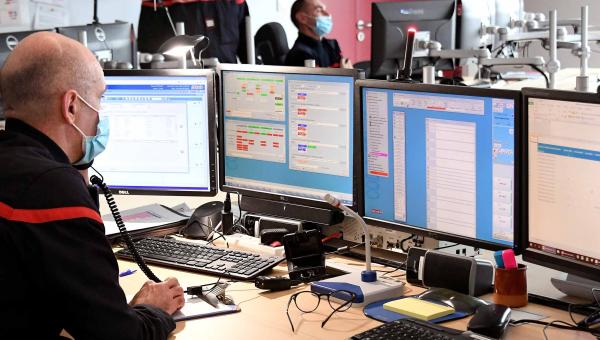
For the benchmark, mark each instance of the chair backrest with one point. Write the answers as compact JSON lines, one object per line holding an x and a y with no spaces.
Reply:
{"x":270,"y":43}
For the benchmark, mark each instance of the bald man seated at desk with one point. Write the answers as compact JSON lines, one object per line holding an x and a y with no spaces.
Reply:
{"x":57,"y":269}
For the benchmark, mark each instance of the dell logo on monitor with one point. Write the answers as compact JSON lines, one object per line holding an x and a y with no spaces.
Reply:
{"x":11,"y":42}
{"x":123,"y":192}
{"x":414,"y":11}
{"x":100,"y":34}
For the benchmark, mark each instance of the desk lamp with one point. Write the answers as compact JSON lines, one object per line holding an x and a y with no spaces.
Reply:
{"x":367,"y":287}
{"x":180,"y":45}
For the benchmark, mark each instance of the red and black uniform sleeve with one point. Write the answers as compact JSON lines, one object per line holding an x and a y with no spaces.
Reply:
{"x":57,"y":270}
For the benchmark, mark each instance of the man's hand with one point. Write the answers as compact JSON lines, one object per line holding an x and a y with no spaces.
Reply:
{"x":166,"y":295}
{"x":346,"y":63}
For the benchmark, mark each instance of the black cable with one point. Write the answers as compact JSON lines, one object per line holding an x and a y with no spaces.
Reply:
{"x":565,"y":325}
{"x":96,"y":21}
{"x":403,"y":241}
{"x":114,"y":210}
{"x":543,"y":74}
{"x":212,"y":230}
{"x":445,"y":247}
{"x":344,"y":250}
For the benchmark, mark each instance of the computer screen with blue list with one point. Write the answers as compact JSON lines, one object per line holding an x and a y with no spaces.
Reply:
{"x":441,"y":160}
{"x":162,"y":132}
{"x":288,"y":132}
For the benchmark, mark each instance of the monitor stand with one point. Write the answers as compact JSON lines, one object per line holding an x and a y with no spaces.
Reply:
{"x":577,"y":287}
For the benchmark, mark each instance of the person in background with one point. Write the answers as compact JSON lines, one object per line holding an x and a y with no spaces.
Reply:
{"x":222,"y":21}
{"x":314,"y":23}
{"x":57,"y":269}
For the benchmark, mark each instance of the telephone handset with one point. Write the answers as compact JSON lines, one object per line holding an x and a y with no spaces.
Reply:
{"x":114,"y":210}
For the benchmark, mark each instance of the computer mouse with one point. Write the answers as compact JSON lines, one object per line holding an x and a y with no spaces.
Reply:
{"x":490,"y":320}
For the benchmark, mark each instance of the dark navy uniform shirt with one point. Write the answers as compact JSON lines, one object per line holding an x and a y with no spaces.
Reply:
{"x":325,"y":52}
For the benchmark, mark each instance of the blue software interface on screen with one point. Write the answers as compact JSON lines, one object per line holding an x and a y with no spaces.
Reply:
{"x":158,"y":133}
{"x":289,"y":134}
{"x":439,"y":161}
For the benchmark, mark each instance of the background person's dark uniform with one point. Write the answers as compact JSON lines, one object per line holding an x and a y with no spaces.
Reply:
{"x":325,"y":52}
{"x":57,"y":269}
{"x":222,"y":21}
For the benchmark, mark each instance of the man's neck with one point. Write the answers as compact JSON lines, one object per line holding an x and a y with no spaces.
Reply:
{"x":308,"y":32}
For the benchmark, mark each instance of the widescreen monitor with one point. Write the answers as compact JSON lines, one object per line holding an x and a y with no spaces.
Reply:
{"x":440,"y":161}
{"x":433,"y":20}
{"x":561,"y":171}
{"x":162,"y":132}
{"x":287,"y":133}
{"x":109,"y":42}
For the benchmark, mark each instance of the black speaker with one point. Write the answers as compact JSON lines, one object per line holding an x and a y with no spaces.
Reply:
{"x":463,"y":274}
{"x":290,"y":210}
{"x":413,"y":264}
{"x":205,"y":217}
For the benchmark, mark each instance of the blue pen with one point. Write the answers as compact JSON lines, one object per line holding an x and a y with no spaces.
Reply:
{"x":127,"y":272}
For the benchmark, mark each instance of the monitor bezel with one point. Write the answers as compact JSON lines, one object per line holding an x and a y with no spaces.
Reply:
{"x":530,"y":254}
{"x":456,"y":90}
{"x":290,"y":70}
{"x":212,"y":129}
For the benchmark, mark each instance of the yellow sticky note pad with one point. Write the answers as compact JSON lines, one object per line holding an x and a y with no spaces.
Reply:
{"x":418,"y":309}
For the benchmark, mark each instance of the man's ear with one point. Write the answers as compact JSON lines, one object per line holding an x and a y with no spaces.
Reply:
{"x":302,"y":18}
{"x":69,"y":106}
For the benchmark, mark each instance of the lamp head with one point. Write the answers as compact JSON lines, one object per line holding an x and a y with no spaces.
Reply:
{"x":180,"y":45}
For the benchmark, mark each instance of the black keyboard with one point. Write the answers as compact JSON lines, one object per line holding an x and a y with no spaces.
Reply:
{"x":202,"y":258}
{"x":410,"y":329}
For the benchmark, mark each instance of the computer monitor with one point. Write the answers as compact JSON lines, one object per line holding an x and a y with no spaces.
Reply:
{"x":561,"y":174}
{"x":8,"y":42}
{"x":433,"y":20}
{"x":440,"y":161}
{"x":287,"y":137}
{"x":162,"y":132}
{"x":109,"y":42}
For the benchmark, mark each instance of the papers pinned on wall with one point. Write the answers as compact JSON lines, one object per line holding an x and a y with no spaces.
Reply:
{"x":14,"y":15}
{"x":50,"y":16}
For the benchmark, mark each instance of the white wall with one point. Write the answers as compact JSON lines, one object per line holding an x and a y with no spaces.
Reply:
{"x":82,"y":11}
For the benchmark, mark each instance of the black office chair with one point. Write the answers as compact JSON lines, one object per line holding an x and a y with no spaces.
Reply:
{"x":270,"y":43}
{"x":364,"y":65}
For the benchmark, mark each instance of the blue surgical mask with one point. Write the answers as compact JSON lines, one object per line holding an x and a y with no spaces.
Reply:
{"x":93,"y":145}
{"x":323,"y":25}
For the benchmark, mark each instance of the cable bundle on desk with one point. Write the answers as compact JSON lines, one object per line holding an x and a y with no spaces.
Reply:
{"x":585,"y":325}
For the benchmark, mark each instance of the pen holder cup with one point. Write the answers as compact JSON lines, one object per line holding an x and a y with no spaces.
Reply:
{"x":510,"y":286}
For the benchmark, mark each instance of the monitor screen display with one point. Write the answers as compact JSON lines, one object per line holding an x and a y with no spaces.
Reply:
{"x":441,"y":160}
{"x":162,"y":133}
{"x":288,"y":133}
{"x":563,"y":158}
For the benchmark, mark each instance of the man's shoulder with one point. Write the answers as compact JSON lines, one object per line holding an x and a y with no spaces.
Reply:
{"x":332,"y":43}
{"x":298,"y":53}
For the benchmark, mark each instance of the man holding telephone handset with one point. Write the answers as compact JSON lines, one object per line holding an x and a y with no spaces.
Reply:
{"x":57,"y":270}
